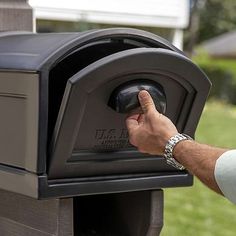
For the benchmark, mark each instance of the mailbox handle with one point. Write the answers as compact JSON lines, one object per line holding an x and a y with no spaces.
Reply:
{"x":124,"y":99}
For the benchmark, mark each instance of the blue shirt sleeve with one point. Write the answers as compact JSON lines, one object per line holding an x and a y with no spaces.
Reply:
{"x":225,"y":174}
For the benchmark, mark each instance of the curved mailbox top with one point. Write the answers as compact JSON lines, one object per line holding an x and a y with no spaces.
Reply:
{"x":34,"y":52}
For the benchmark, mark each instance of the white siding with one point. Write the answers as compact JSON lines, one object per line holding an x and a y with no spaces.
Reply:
{"x":157,"y":13}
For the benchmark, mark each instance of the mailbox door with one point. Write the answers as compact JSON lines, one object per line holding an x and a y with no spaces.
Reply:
{"x":90,"y":138}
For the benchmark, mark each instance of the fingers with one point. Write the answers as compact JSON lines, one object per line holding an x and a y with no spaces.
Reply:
{"x":132,"y":122}
{"x":146,"y":101}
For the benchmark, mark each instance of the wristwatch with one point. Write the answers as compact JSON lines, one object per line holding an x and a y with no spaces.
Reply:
{"x":169,"y":148}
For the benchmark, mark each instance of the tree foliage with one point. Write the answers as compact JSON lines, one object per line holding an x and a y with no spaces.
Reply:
{"x":209,"y":18}
{"x":216,"y":17}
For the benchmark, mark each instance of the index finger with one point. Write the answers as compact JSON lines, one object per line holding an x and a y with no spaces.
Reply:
{"x":132,"y":122}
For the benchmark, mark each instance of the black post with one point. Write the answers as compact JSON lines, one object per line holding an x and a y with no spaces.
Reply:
{"x":120,"y":214}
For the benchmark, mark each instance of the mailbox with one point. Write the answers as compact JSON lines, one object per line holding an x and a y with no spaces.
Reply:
{"x":64,"y":98}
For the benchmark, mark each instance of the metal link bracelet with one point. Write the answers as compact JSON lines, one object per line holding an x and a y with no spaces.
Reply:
{"x":170,"y":147}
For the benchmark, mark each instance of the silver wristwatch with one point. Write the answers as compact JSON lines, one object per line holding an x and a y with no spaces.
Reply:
{"x":170,"y":147}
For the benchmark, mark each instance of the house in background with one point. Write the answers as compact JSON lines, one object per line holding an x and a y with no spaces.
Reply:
{"x":222,"y":46}
{"x":167,"y":18}
{"x":217,"y":57}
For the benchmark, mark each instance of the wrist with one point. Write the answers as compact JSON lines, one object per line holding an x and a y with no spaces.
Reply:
{"x":170,"y":149}
{"x":181,"y":147}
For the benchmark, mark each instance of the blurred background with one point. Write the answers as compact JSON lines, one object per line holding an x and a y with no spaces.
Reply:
{"x":206,"y":31}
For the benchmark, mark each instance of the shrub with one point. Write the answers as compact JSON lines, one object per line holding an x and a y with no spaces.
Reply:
{"x":222,"y":74}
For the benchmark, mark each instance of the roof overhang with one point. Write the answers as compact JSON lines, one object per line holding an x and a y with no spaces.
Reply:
{"x":222,"y":46}
{"x":155,"y":13}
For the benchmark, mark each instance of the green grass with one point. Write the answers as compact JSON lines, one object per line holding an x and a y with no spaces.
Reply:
{"x":198,"y":211}
{"x":218,"y":125}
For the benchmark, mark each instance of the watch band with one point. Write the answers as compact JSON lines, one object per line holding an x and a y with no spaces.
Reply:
{"x":168,"y":154}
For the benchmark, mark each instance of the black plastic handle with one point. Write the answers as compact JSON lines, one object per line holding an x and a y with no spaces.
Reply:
{"x":124,"y":99}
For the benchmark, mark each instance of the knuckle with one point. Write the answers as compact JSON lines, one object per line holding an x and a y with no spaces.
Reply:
{"x":148,"y":104}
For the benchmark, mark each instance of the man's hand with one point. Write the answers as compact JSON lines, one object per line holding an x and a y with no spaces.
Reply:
{"x":150,"y":131}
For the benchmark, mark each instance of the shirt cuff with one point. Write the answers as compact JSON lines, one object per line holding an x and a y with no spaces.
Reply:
{"x":225,"y":174}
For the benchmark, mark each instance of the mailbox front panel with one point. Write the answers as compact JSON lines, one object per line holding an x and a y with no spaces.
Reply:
{"x":90,"y":138}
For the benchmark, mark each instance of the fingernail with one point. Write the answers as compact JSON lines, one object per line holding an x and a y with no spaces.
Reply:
{"x":143,"y":94}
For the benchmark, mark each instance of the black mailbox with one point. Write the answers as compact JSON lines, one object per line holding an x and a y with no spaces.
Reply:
{"x":64,"y":99}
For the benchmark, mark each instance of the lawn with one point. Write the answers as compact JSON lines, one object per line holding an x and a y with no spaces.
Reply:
{"x":198,"y":211}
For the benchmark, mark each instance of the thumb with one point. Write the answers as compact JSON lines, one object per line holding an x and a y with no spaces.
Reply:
{"x":146,"y":101}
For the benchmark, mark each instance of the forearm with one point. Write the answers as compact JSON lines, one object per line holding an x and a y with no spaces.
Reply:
{"x":200,"y":160}
{"x":150,"y":132}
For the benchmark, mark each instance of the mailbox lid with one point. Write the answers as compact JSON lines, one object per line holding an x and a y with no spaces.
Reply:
{"x":85,"y":116}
